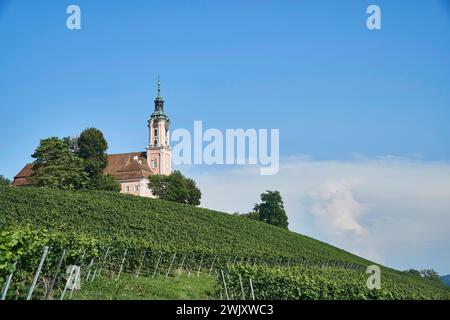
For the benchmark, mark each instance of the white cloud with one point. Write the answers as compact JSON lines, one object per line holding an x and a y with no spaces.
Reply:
{"x":393,"y":210}
{"x":336,"y":208}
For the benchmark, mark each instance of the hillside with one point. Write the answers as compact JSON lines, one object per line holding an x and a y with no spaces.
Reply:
{"x":446,"y":279}
{"x":159,"y":223}
{"x":204,"y":236}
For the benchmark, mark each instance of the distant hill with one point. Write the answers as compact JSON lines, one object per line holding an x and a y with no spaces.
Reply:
{"x":446,"y":279}
{"x":154,"y":223}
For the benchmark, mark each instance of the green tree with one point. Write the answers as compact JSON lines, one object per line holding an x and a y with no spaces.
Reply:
{"x":57,"y":167}
{"x":91,"y":146}
{"x":271,"y":209}
{"x":430,"y":274}
{"x":4,"y":181}
{"x":413,"y":272}
{"x":254,"y":215}
{"x":175,"y":187}
{"x":105,"y":182}
{"x":194,"y":193}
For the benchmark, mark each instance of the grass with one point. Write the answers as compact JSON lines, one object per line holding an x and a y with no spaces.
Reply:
{"x":148,"y":288}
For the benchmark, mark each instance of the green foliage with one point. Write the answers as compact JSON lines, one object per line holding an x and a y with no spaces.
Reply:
{"x":175,"y":187}
{"x":92,"y":148}
{"x":57,"y":167}
{"x":413,"y":272}
{"x":105,"y":182}
{"x":21,"y":249}
{"x":153,"y":229}
{"x":431,"y":275}
{"x":314,"y":283}
{"x":254,"y":215}
{"x":4,"y":181}
{"x":271,"y":209}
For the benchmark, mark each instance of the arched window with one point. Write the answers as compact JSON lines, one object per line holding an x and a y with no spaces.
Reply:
{"x":155,"y":136}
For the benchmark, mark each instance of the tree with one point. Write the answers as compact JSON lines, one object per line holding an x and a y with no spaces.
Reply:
{"x":57,"y":167}
{"x":271,"y":209}
{"x":91,"y":146}
{"x":254,"y":215}
{"x":72,"y":142}
{"x":413,"y":272}
{"x":175,"y":187}
{"x":430,"y":274}
{"x":4,"y":181}
{"x":194,"y":193}
{"x":105,"y":182}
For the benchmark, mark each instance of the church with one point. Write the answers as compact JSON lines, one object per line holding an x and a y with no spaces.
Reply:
{"x":133,"y":169}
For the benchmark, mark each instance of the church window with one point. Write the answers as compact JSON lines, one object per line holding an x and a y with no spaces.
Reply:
{"x":154,"y":163}
{"x":155,"y":136}
{"x":127,"y":188}
{"x":136,"y":188}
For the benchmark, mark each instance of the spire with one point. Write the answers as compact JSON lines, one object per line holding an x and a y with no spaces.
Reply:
{"x":159,"y":88}
{"x":159,"y":104}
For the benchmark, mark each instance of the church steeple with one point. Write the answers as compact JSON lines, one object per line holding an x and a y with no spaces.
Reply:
{"x":159,"y":104}
{"x":159,"y":152}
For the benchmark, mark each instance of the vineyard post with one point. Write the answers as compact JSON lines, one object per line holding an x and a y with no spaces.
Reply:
{"x":193,"y":259}
{"x":251,"y":288}
{"x":140,"y":264}
{"x":77,"y":275}
{"x":55,"y":276}
{"x":121,"y":264}
{"x":103,"y":262}
{"x":171,"y":263}
{"x":254,"y":261}
{"x":89,"y":269}
{"x":82,"y":257}
{"x":7,"y":283}
{"x":199,"y":267}
{"x":225,"y":284}
{"x":212,"y":266}
{"x":234,"y":261}
{"x":242,"y":287}
{"x":181,"y":266}
{"x":157,"y":264}
{"x":38,"y":272}
{"x":72,"y":270}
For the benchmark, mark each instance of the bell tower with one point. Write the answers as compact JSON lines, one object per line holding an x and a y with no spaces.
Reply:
{"x":159,"y":152}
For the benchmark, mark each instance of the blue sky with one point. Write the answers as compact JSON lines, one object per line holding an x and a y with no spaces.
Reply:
{"x":311,"y":68}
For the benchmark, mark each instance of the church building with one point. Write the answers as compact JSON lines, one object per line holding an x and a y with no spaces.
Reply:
{"x":133,"y":169}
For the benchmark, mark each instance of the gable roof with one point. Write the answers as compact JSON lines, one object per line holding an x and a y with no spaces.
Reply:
{"x":123,"y":166}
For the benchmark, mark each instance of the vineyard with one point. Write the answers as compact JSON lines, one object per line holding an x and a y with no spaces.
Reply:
{"x":109,"y":234}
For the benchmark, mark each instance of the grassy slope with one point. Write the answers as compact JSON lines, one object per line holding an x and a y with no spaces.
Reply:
{"x":165,"y":225}
{"x":145,"y":288}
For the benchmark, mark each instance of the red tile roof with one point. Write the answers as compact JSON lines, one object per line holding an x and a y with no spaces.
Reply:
{"x":123,"y":166}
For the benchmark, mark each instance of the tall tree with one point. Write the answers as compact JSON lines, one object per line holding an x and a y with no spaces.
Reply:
{"x":175,"y":187}
{"x":4,"y":181}
{"x":92,"y":148}
{"x":105,"y":182}
{"x":57,"y":167}
{"x":271,"y":209}
{"x":194,"y":193}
